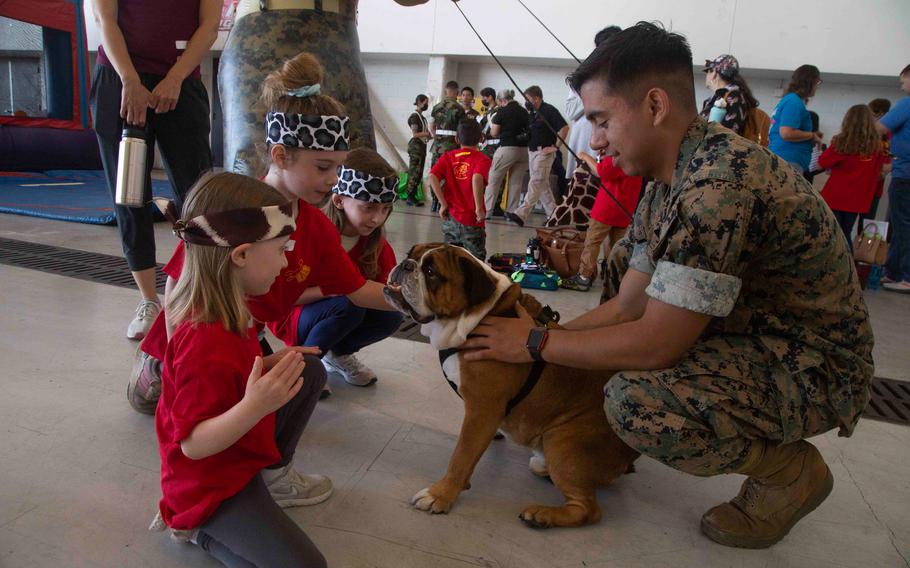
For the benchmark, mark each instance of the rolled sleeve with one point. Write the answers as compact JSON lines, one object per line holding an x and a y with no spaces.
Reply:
{"x":694,"y":289}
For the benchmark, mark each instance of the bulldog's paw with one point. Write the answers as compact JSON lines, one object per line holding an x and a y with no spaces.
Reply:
{"x":427,"y":501}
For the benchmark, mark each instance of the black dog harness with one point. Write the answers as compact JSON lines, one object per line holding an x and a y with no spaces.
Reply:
{"x":545,"y":317}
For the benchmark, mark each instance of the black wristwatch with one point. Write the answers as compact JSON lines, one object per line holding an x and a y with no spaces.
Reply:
{"x":537,"y":339}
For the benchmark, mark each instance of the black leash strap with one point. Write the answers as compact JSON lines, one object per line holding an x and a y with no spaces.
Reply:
{"x":549,"y":31}
{"x":543,"y":118}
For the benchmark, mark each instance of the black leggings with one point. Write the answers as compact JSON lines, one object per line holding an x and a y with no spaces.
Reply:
{"x":182,"y":136}
{"x":250,"y":529}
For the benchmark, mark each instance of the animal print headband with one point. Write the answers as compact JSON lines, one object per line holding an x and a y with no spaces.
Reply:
{"x":361,"y":185}
{"x":233,"y":227}
{"x":308,"y":131}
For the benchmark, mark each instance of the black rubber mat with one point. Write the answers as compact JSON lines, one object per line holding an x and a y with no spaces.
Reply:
{"x":890,"y":401}
{"x":108,"y":269}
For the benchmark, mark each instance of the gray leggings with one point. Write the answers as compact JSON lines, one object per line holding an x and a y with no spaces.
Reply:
{"x":250,"y":529}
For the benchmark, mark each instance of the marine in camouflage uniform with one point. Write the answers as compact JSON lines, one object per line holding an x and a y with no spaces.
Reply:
{"x":417,"y":154}
{"x":788,"y":354}
{"x":261,"y":42}
{"x":446,"y":115}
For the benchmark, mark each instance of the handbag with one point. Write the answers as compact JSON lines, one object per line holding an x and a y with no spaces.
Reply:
{"x":870,"y":246}
{"x":561,"y":250}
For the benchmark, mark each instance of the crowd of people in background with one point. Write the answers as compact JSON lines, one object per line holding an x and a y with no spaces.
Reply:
{"x":526,"y":173}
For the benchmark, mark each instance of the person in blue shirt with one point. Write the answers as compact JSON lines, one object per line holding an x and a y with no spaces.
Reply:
{"x":791,"y":136}
{"x":896,"y":123}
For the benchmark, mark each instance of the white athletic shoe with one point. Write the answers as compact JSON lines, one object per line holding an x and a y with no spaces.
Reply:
{"x":146,"y":312}
{"x":290,"y":488}
{"x":348,"y":366}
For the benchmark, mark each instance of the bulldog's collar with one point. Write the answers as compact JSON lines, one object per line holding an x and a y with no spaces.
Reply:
{"x":452,"y":332}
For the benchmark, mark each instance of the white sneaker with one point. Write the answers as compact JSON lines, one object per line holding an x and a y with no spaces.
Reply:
{"x":348,"y":366}
{"x":146,"y":312}
{"x":902,"y":286}
{"x":290,"y":488}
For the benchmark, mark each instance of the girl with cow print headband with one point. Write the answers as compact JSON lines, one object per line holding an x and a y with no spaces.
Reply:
{"x":359,"y":207}
{"x":318,"y":267}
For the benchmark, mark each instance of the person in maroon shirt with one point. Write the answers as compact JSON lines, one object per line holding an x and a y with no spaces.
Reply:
{"x":147,"y":75}
{"x":461,"y":205}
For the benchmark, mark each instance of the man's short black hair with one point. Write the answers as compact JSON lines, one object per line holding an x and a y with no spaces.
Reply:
{"x":637,"y":59}
{"x":468,"y":89}
{"x":905,"y":71}
{"x":605,"y":34}
{"x":453,"y":85}
{"x":488,"y":92}
{"x":534,"y":91}
{"x":468,"y":132}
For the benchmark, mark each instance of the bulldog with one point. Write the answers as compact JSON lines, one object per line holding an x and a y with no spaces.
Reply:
{"x":560,"y":417}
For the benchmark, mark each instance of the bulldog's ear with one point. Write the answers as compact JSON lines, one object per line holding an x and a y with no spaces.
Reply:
{"x":478,"y":284}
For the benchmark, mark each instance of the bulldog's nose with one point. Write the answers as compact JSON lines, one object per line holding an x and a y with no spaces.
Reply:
{"x":409,"y":265}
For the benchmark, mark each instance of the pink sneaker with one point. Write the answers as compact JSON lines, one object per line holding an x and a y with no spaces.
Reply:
{"x":144,"y":387}
{"x":903,"y":287}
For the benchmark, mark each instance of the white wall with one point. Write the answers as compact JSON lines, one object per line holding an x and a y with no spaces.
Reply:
{"x":838,"y":36}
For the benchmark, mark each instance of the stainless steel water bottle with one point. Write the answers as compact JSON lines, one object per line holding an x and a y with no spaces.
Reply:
{"x":131,"y":168}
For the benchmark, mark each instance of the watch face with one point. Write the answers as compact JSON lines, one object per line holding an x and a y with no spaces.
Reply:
{"x":535,"y":337}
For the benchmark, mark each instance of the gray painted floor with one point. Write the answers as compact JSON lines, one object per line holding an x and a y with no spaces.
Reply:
{"x":79,"y":469}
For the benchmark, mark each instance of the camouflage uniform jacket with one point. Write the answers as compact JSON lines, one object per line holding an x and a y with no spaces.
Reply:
{"x":739,"y":236}
{"x":446,"y":116}
{"x":417,"y":123}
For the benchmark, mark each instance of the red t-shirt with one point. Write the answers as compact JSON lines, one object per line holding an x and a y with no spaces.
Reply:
{"x":204,"y":375}
{"x":854,"y":179}
{"x":286,"y":329}
{"x":457,"y":168}
{"x":624,"y":188}
{"x":318,"y":259}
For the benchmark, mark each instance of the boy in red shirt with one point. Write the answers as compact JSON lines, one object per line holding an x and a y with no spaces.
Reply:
{"x":461,"y":207}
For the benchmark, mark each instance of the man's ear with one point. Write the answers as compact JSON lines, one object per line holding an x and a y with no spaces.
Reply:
{"x":658,"y":105}
{"x":239,"y":254}
{"x":478,"y":284}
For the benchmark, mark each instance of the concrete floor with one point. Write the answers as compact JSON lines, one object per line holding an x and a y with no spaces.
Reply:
{"x":79,"y":478}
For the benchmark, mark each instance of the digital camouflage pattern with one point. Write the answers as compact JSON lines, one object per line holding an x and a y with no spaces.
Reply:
{"x":261,"y":42}
{"x":446,"y":116}
{"x":789,"y":355}
{"x":474,"y":239}
{"x":417,"y":154}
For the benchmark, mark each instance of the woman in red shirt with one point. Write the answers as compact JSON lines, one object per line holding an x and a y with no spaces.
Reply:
{"x":359,"y":207}
{"x":229,"y":419}
{"x":855,"y":159}
{"x":608,"y":221}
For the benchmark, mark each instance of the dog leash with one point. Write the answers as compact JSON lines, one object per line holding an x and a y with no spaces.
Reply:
{"x":543,"y":118}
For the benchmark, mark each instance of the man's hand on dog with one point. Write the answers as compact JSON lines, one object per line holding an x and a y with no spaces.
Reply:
{"x":503,"y":339}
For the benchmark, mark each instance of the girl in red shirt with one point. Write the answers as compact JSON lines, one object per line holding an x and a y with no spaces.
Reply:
{"x":229,"y":419}
{"x":359,"y":207}
{"x":855,"y":159}
{"x":306,"y":139}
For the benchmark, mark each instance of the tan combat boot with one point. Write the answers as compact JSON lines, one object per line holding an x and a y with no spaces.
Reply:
{"x":786,"y":483}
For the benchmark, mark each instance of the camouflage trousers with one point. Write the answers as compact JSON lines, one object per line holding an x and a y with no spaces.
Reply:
{"x":702,"y":416}
{"x":474,"y":239}
{"x":417,"y":157}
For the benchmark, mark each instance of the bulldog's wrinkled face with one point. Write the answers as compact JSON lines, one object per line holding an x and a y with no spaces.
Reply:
{"x":438,"y":281}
